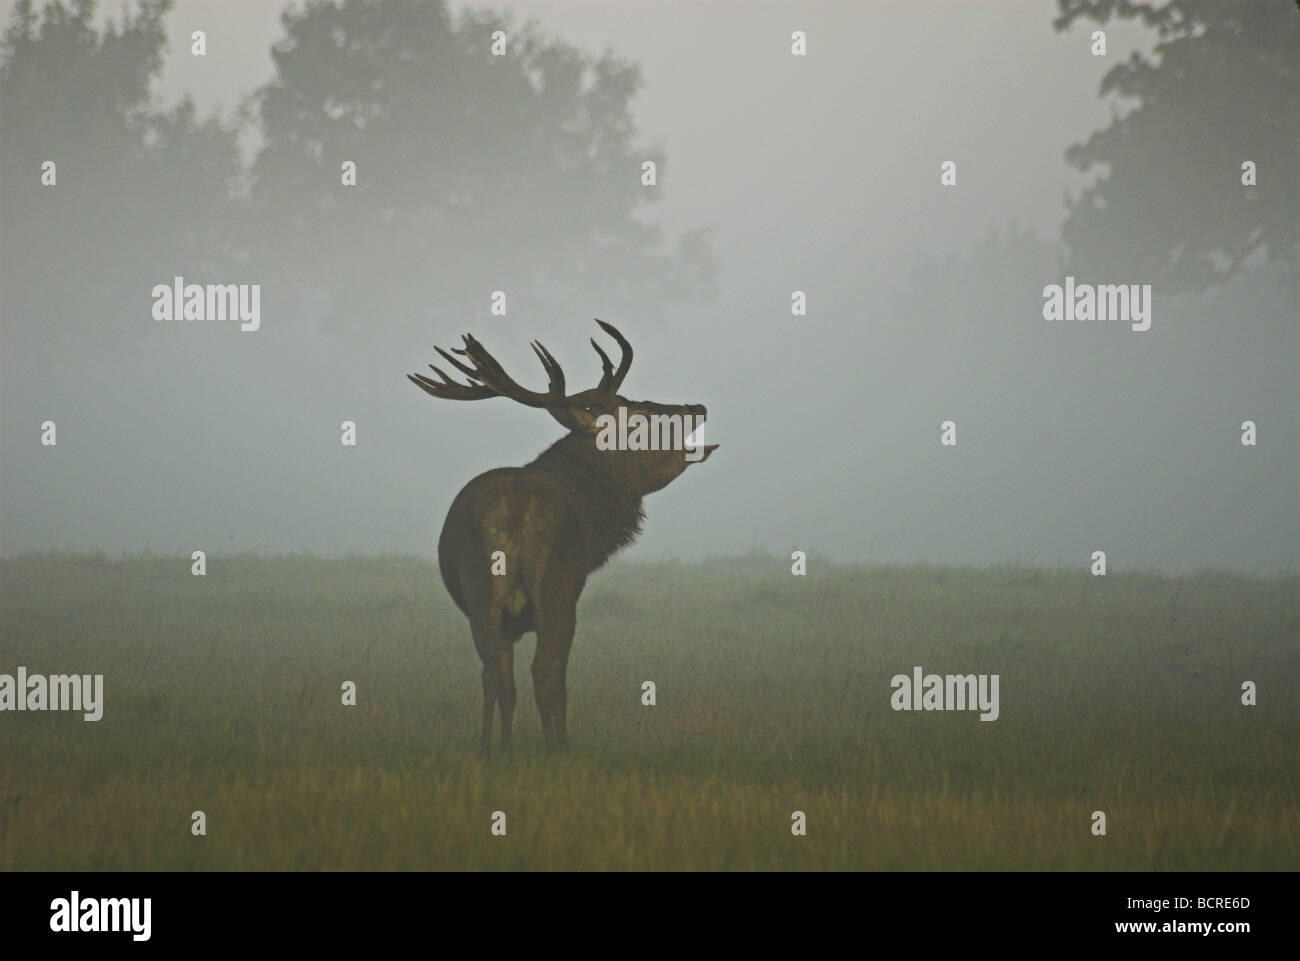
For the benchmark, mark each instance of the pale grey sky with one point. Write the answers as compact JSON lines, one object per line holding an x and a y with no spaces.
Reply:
{"x":818,"y":173}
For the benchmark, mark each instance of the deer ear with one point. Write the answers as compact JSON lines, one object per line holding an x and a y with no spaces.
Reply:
{"x":575,"y":419}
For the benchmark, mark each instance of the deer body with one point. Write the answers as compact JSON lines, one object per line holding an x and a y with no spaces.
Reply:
{"x":554,"y":521}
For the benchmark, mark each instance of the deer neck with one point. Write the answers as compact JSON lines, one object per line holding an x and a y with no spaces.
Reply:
{"x":610,"y":511}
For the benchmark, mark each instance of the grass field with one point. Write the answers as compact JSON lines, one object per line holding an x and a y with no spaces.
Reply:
{"x":222,"y":694}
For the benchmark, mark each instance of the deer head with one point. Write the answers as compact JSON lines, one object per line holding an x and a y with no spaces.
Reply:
{"x":592,"y":416}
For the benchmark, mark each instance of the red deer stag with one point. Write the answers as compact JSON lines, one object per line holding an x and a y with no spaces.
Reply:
{"x":553,"y":521}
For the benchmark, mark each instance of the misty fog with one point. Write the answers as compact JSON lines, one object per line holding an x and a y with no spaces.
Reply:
{"x":818,"y":173}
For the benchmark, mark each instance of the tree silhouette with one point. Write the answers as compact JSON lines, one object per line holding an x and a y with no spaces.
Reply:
{"x":142,"y":192}
{"x":1170,"y":205}
{"x":474,"y":172}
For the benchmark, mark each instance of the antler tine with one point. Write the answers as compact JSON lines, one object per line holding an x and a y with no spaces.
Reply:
{"x":625,"y":361}
{"x":493,"y":375}
{"x":554,"y":373}
{"x":611,"y":380}
{"x":467,"y":371}
{"x":487,"y":378}
{"x":607,"y":377}
{"x":480,"y":386}
{"x":473,"y":381}
{"x":450,"y":390}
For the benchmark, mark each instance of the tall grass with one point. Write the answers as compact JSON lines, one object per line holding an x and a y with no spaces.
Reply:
{"x":222,"y":694}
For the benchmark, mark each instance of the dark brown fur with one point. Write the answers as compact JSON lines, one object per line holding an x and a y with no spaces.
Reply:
{"x":555,"y":520}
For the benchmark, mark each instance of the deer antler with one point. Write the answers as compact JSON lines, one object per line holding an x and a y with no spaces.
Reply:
{"x":603,"y":394}
{"x":487,"y":378}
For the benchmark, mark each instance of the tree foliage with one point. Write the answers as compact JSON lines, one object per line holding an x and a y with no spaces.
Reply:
{"x":142,"y":191}
{"x":475,"y":172}
{"x":1169,"y":203}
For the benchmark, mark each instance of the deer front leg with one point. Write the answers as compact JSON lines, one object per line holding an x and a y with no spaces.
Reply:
{"x":540,"y":671}
{"x":560,"y":700}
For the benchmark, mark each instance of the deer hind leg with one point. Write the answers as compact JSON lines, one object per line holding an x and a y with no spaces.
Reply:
{"x":497,"y":654}
{"x":496,"y":649}
{"x":550,"y":664}
{"x":506,"y":689}
{"x":490,"y":668}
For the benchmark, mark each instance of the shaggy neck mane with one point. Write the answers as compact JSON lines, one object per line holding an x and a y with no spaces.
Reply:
{"x":610,"y":512}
